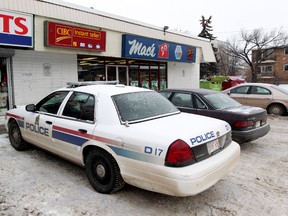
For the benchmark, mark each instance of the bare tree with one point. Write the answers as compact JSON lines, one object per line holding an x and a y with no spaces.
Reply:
{"x":256,"y":39}
{"x":228,"y":65}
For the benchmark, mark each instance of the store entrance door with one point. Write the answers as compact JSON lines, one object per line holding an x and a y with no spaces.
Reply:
{"x":116,"y":72}
{"x":3,"y":86}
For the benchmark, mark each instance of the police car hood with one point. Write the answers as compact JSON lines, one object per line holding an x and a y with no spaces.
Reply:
{"x":191,"y":128}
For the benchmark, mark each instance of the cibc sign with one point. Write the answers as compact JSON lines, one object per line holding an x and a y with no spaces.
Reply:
{"x":68,"y":36}
{"x":16,"y":29}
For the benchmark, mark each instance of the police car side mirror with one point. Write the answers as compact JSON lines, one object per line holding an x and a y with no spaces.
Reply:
{"x":30,"y":108}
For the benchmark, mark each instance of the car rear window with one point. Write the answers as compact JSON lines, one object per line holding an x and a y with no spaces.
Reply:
{"x":138,"y":106}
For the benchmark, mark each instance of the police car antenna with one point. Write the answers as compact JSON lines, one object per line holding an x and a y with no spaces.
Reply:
{"x":85,"y":83}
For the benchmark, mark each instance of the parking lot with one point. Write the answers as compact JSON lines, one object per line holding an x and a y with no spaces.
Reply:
{"x":37,"y":183}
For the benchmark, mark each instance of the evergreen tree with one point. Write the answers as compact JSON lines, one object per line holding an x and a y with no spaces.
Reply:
{"x":208,"y":69}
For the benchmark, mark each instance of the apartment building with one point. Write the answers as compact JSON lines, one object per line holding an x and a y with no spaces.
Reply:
{"x":274,"y":67}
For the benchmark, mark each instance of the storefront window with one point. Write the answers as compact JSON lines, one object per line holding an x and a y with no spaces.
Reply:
{"x":145,"y":74}
{"x":3,"y":86}
{"x":163,"y":76}
{"x":133,"y":78}
{"x":154,"y":76}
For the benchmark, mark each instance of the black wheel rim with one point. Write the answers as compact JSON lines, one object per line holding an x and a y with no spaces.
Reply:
{"x":15,"y":136}
{"x":101,"y":172}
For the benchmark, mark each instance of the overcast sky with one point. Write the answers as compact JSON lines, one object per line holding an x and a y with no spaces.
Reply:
{"x":228,"y":16}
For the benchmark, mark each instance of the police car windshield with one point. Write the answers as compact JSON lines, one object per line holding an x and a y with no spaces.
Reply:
{"x":139,"y":106}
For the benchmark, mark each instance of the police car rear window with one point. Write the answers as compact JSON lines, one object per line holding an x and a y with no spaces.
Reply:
{"x":142,"y":105}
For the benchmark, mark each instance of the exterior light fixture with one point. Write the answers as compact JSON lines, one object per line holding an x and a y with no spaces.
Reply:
{"x":165,"y":29}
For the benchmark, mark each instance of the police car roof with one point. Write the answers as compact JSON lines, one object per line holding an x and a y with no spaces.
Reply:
{"x":106,"y":89}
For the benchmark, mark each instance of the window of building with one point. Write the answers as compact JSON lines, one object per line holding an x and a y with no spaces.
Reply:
{"x":285,"y":67}
{"x":267,"y":53}
{"x":141,"y":73}
{"x":286,"y":50}
{"x":266,"y":69}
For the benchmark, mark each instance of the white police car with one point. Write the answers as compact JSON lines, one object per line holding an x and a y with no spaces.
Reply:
{"x":127,"y":134}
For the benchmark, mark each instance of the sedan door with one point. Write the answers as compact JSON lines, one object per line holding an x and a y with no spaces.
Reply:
{"x":259,"y":97}
{"x":75,"y":126}
{"x":239,"y":94}
{"x":39,"y":121}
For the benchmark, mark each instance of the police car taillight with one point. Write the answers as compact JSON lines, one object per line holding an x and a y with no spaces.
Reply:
{"x":179,"y":154}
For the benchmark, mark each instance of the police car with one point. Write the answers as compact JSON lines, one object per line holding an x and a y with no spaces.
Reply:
{"x":123,"y":134}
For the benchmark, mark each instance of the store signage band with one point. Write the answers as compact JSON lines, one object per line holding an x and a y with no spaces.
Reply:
{"x":148,"y":48}
{"x":68,"y":36}
{"x":16,"y":29}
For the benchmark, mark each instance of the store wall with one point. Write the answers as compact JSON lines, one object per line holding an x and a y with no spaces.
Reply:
{"x":35,"y":74}
{"x":183,"y":75}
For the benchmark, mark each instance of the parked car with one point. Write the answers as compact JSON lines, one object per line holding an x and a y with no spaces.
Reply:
{"x":127,"y":134}
{"x":247,"y":123}
{"x":268,"y":96}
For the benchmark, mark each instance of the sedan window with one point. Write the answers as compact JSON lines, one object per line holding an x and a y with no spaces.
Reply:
{"x":52,"y":102}
{"x":199,"y":103}
{"x":221,"y":101}
{"x":260,"y":91}
{"x":139,"y":106}
{"x":182,"y":100}
{"x":80,"y":106}
{"x":240,"y":90}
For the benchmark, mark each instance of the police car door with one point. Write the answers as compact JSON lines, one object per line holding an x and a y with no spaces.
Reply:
{"x":39,"y":123}
{"x":75,"y":126}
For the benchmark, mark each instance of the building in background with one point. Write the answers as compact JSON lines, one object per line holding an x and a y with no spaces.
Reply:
{"x":274,"y":68}
{"x":45,"y":44}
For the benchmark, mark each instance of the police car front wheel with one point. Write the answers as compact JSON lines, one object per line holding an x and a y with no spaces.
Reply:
{"x":103,"y":172}
{"x":15,"y":137}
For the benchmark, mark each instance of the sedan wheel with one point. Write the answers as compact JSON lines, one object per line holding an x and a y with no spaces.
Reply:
{"x":103,"y":172}
{"x":276,"y":109}
{"x":15,"y":137}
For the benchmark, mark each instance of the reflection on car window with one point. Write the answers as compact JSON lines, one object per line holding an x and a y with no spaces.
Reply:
{"x":182,"y":100}
{"x":221,"y":101}
{"x":52,"y":102}
{"x":139,"y":106}
{"x":80,"y":106}
{"x":240,"y":90}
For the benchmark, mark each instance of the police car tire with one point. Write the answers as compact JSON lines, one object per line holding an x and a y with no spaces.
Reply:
{"x":107,"y":179}
{"x":15,"y":137}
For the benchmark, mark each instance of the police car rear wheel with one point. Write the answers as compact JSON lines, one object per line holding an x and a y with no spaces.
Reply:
{"x":103,"y":172}
{"x":15,"y":137}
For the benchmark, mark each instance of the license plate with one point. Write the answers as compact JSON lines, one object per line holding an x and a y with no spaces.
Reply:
{"x":213,"y":146}
{"x":257,"y":124}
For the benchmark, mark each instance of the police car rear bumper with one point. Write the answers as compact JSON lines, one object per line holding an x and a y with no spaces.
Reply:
{"x":184,"y":181}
